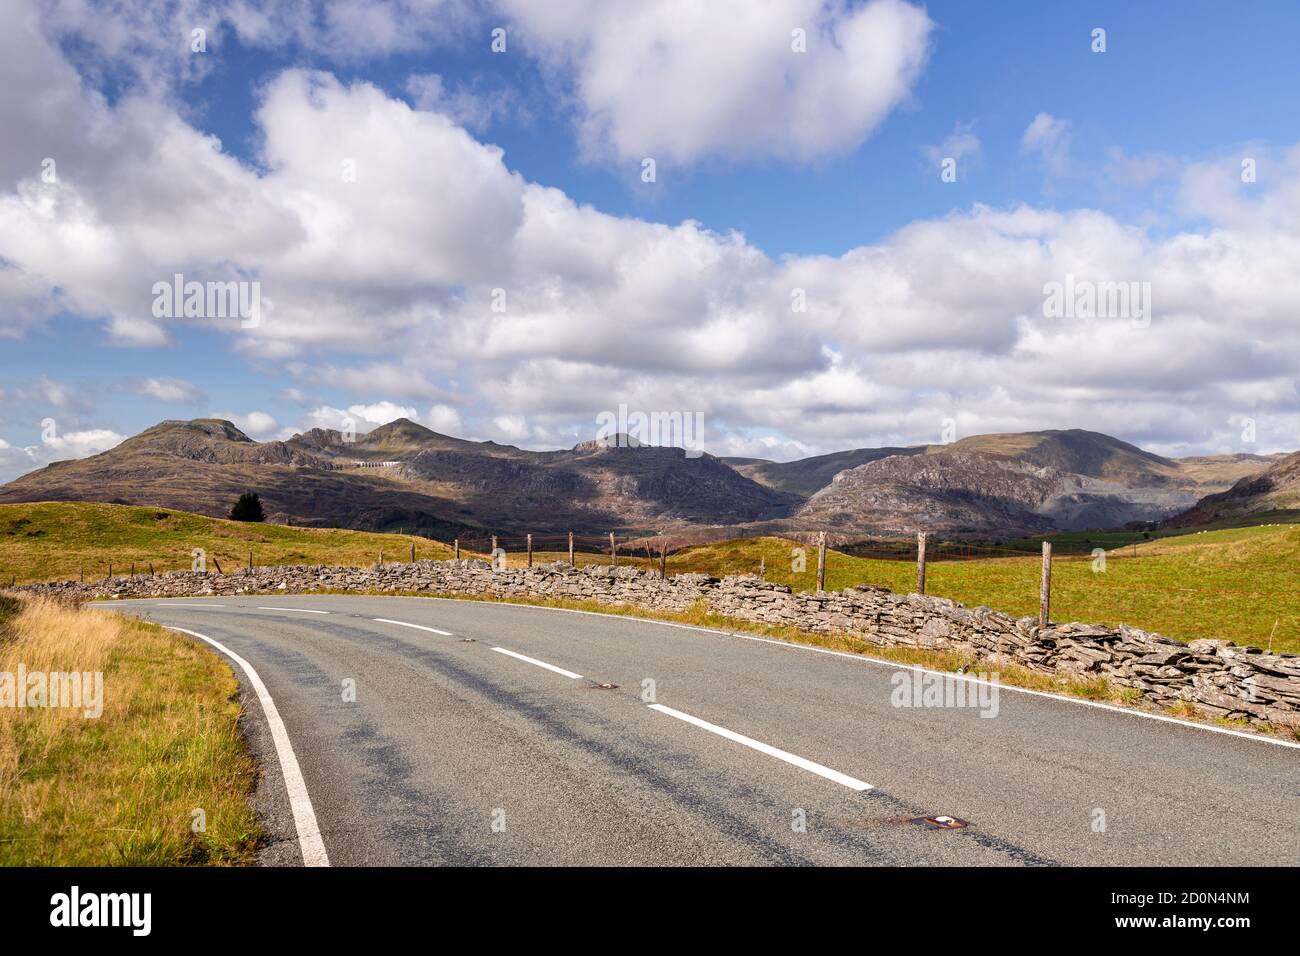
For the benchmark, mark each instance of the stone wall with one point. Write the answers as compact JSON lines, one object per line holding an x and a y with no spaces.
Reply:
{"x":1216,"y":676}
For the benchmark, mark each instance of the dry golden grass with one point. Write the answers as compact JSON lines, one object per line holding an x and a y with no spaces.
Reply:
{"x":120,"y":789}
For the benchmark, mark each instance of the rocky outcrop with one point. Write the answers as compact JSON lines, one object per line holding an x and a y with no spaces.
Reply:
{"x":1216,"y":677}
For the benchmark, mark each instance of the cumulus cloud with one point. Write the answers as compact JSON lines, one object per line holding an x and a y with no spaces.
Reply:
{"x":17,"y":460}
{"x":682,"y":82}
{"x":518,"y":313}
{"x":356,"y":418}
{"x":444,"y":419}
{"x":255,"y":424}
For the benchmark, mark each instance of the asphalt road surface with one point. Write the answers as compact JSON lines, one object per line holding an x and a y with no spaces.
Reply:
{"x":483,"y":736}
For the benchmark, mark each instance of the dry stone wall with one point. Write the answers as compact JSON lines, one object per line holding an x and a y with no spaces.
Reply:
{"x":1216,"y":676}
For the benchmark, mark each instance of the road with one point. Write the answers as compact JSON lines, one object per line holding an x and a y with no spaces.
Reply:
{"x":472,"y":739}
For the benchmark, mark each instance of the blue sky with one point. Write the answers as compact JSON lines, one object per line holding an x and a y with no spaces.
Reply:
{"x":926,"y":293}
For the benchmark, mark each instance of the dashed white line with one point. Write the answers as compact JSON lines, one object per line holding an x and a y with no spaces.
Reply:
{"x":533,"y":660}
{"x":300,"y":610}
{"x":418,"y":627}
{"x":841,"y":778}
{"x":880,"y":662}
{"x":304,"y":816}
{"x":191,"y":605}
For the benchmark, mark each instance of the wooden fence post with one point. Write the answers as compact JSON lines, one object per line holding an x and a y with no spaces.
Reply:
{"x":151,"y":574}
{"x":663,"y":560}
{"x":920,"y":562}
{"x":821,"y":561}
{"x":456,"y":547}
{"x":762,"y":567}
{"x":218,"y":564}
{"x":571,"y":563}
{"x":613,"y":551}
{"x":110,"y":572}
{"x":381,"y":558}
{"x":250,"y":560}
{"x":132,"y":569}
{"x":412,"y":552}
{"x":81,"y":573}
{"x":1045,"y":587}
{"x":530,"y":550}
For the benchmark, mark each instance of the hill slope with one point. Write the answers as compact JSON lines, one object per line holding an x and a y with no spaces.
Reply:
{"x":1020,"y":482}
{"x":403,"y":476}
{"x":56,"y":540}
{"x":1275,"y":488}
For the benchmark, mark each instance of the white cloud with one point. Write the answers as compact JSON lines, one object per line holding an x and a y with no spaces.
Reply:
{"x":1049,"y":138}
{"x":444,"y":419}
{"x":168,"y":390}
{"x":358,"y":418}
{"x":477,"y":106}
{"x":256,"y":425}
{"x":685,"y":81}
{"x":45,"y":392}
{"x":942,"y":319}
{"x":960,"y":144}
{"x":15,"y":461}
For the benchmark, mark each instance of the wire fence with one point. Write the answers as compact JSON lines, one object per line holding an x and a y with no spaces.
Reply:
{"x":1091,"y":580}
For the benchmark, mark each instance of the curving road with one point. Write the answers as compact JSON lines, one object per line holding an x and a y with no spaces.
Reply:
{"x":480,"y":735}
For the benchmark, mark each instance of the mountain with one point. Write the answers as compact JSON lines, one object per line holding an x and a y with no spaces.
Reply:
{"x":1275,"y":488}
{"x":405,"y":476}
{"x":1014,"y":483}
{"x":807,"y":476}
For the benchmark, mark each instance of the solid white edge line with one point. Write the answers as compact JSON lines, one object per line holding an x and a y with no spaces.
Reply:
{"x":418,"y":627}
{"x":841,"y":778}
{"x":533,"y":660}
{"x":304,"y":816}
{"x":865,"y":659}
{"x":300,"y":610}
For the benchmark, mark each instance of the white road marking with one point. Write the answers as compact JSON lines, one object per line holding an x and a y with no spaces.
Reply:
{"x":304,"y":816}
{"x":879,"y":662}
{"x":418,"y":627}
{"x":191,"y":605}
{"x":844,"y":779}
{"x":533,"y":660}
{"x":300,"y":610}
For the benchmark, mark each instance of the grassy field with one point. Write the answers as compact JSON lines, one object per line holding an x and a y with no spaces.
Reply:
{"x":1235,"y":583}
{"x":122,"y":788}
{"x":56,"y":540}
{"x":1084,"y":541}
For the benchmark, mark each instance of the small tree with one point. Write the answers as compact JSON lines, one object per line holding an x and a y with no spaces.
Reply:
{"x":248,"y":508}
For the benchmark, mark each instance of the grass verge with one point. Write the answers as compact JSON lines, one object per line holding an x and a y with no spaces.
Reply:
{"x":121,"y":789}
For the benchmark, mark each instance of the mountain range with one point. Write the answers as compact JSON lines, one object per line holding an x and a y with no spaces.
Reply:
{"x":403,"y":476}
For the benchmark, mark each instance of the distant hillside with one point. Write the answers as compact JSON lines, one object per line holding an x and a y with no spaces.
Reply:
{"x":807,"y":476}
{"x":1275,"y":488}
{"x":402,"y":476}
{"x":1074,"y":451}
{"x":1007,"y":484}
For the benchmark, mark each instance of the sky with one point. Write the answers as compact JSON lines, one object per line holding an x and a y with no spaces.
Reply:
{"x":809,"y":225}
